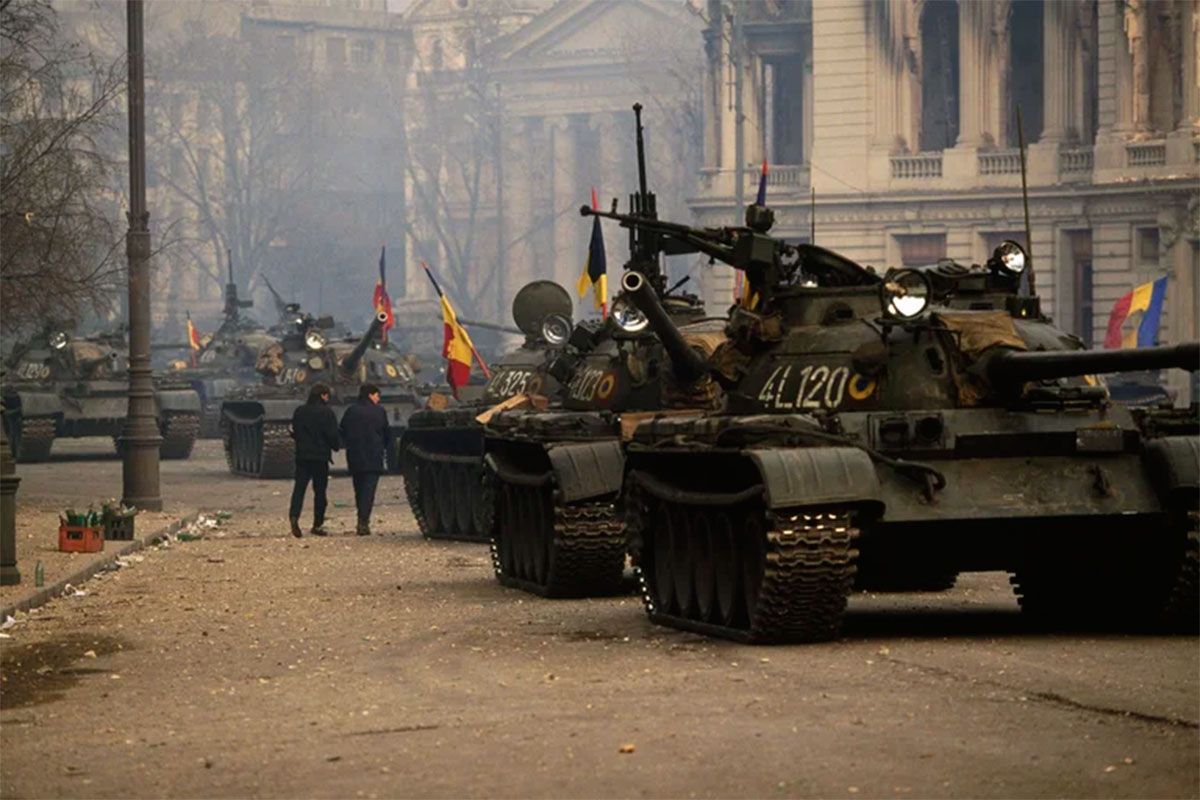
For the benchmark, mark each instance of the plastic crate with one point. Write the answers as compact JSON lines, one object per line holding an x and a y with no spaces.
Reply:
{"x":80,"y":539}
{"x":118,"y":527}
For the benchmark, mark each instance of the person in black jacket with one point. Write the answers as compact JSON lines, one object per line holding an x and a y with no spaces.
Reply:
{"x":315,"y":429}
{"x":368,"y":437}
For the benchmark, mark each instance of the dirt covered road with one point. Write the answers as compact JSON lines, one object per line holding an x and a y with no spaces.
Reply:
{"x":252,"y":664}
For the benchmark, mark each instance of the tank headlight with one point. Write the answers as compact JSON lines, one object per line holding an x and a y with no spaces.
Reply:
{"x":904,"y":294}
{"x":314,"y":340}
{"x":316,"y":363}
{"x":555,"y":329}
{"x":1009,"y":257}
{"x":626,"y":316}
{"x":59,"y":340}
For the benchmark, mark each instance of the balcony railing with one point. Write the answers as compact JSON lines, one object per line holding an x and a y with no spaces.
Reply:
{"x":1075,"y":161}
{"x":923,"y":166}
{"x":1150,"y":154}
{"x":784,"y":177}
{"x":1000,"y":162}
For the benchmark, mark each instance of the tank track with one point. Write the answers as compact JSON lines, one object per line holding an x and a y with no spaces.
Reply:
{"x":1129,"y":585}
{"x":37,"y":437}
{"x":179,"y":432}
{"x":210,"y":423}
{"x":259,"y":449}
{"x":437,"y":504}
{"x":581,"y":555}
{"x":801,"y":560}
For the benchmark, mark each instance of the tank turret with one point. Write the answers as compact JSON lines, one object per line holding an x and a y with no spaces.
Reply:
{"x":350,"y":362}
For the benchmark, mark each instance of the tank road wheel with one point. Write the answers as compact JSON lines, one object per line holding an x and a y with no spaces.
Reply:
{"x":530,"y":534}
{"x":752,"y":553}
{"x":463,"y":497}
{"x":704,"y":573}
{"x":413,"y":491}
{"x":1182,"y":611}
{"x":727,"y":570}
{"x":501,"y":542}
{"x":429,"y":500}
{"x":447,"y":499}
{"x":682,"y":545}
{"x":482,"y":502}
{"x":179,"y":432}
{"x":35,"y":437}
{"x":664,"y":585}
{"x":541,"y":533}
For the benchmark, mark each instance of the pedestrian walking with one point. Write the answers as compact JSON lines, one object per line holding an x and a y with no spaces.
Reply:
{"x":315,"y":429}
{"x":368,"y":438}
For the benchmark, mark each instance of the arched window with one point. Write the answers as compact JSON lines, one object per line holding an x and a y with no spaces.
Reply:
{"x":939,"y":74}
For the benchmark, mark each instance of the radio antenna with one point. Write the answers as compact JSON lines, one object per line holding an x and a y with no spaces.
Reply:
{"x":1025,"y":203}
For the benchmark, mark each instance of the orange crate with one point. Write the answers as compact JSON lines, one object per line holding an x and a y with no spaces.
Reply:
{"x":80,"y":539}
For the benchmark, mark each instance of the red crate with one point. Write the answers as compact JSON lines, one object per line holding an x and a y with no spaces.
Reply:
{"x":80,"y":539}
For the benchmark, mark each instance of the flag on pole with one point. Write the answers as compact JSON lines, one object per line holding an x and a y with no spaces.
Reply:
{"x":457,"y":347}
{"x":193,"y":338}
{"x":595,"y":269}
{"x":1135,"y":317}
{"x":761,"y":199}
{"x":381,"y":300}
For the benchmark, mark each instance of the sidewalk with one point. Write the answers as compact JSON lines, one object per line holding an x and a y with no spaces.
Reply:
{"x":37,"y":541}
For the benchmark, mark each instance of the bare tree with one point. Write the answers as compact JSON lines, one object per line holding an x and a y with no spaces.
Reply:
{"x":61,"y":224}
{"x":232,"y":127}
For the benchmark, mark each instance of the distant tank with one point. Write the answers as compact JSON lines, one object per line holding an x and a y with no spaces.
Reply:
{"x":256,"y":420}
{"x":60,"y":386}
{"x":227,"y":357}
{"x":442,"y":449}
{"x":906,"y":424}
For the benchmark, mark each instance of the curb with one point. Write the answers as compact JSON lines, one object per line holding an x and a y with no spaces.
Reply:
{"x":48,"y":593}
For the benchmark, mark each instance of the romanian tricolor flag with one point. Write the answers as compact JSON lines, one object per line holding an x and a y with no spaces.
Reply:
{"x":457,"y":347}
{"x":381,"y":300}
{"x":595,"y":271}
{"x":1135,"y":317}
{"x":193,"y":338}
{"x":761,"y":199}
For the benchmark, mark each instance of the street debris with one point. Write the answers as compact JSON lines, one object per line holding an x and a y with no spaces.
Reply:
{"x":626,"y":749}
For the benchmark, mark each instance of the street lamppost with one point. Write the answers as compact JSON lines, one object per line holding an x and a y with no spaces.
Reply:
{"x":140,"y":437}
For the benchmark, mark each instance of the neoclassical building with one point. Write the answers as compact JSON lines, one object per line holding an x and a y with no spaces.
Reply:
{"x":900,"y":116}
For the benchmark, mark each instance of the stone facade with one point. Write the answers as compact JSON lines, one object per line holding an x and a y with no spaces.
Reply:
{"x":908,"y":138}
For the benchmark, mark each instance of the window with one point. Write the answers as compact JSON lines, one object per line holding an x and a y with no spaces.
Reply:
{"x":1147,"y":245}
{"x":784,"y":114}
{"x":921,"y":249}
{"x":335,"y":51}
{"x":939,"y":75}
{"x":364,"y":53}
{"x":391,"y":52}
{"x":1079,"y":245}
{"x":1026,"y":54}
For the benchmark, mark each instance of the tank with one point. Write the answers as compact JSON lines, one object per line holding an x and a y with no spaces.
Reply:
{"x":555,"y":474}
{"x":256,"y":420}
{"x":61,"y":386}
{"x":442,"y":449}
{"x":226,"y":359}
{"x":903,"y":425}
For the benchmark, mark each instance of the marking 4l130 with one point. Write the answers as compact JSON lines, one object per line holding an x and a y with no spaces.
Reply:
{"x":815,"y":386}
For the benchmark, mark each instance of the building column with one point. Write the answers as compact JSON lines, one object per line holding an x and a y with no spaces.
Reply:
{"x":998,"y":71}
{"x":973,"y":31}
{"x":518,"y":214}
{"x":1058,"y":73}
{"x":886,"y":51}
{"x":806,"y":98}
{"x":1189,"y":120}
{"x":568,"y":196}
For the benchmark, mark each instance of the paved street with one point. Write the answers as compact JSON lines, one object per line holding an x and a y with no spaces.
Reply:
{"x":252,"y":664}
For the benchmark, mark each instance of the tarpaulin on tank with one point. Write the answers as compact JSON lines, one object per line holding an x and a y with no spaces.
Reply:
{"x":979,"y":330}
{"x":704,"y":393}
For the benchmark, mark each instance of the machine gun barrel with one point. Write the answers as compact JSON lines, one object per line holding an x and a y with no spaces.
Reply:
{"x":1011,"y":366}
{"x":715,"y":243}
{"x":688,"y":365}
{"x":350,"y":362}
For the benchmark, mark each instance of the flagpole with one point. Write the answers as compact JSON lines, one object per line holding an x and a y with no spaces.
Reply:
{"x":482,"y":365}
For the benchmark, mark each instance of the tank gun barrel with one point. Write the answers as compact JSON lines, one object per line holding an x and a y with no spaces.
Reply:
{"x":88,"y":364}
{"x":491,"y":326}
{"x":350,"y":362}
{"x":688,"y":365}
{"x":1012,"y":366}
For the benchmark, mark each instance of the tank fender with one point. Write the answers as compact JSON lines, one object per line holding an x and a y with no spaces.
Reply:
{"x":587,"y":469}
{"x":1174,"y":466}
{"x":177,"y":400}
{"x":816,"y":476}
{"x":38,"y":404}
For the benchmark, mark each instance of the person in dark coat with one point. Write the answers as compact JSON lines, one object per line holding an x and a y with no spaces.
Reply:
{"x":368,"y":438}
{"x":315,"y":429}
